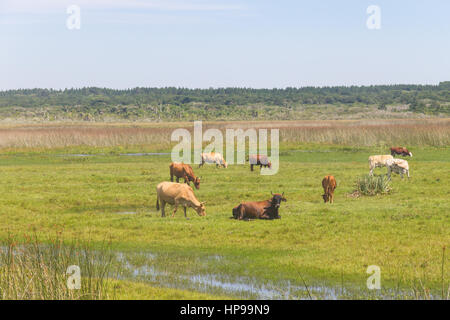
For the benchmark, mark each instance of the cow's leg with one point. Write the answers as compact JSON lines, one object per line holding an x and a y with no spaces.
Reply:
{"x":251,"y":167}
{"x":185,"y":211}
{"x":264,"y":216}
{"x":175,"y":207}
{"x":241,"y":213}
{"x":171,"y":177}
{"x":163,"y":206}
{"x":331,"y":197}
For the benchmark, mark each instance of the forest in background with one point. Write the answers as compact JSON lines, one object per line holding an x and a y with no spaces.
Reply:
{"x":174,"y":104}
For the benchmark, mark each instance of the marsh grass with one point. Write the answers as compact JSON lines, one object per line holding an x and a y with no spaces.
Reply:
{"x":356,"y":133}
{"x":372,"y":185}
{"x":32,"y":270}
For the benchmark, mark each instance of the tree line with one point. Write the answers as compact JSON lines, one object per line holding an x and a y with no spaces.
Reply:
{"x":223,"y":102}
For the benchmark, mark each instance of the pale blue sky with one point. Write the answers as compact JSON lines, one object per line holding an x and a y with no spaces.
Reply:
{"x":222,"y":43}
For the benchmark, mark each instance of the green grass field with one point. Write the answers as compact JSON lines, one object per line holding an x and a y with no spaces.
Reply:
{"x":109,"y":196}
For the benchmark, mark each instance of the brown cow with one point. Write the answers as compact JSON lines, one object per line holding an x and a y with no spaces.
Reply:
{"x":182,"y":170}
{"x":259,"y":160}
{"x":260,"y":209}
{"x":401,"y":151}
{"x":328,"y":184}
{"x":178,"y":194}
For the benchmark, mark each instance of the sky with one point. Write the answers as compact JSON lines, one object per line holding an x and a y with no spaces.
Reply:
{"x":222,"y":43}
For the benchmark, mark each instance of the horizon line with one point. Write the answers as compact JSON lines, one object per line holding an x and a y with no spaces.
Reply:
{"x":229,"y":87}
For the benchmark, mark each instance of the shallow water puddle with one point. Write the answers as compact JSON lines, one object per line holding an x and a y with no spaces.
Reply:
{"x":145,"y":154}
{"x":122,"y":154}
{"x":242,"y":287}
{"x":76,"y":155}
{"x":156,"y":272}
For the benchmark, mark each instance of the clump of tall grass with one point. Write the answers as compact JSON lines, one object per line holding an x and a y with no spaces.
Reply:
{"x":372,"y":185}
{"x":31,"y":270}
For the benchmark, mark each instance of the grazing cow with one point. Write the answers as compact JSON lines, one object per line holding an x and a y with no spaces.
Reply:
{"x":378,"y":161}
{"x":182,"y":170}
{"x":328,"y":184}
{"x":399,"y":166}
{"x":401,"y":151}
{"x":267,"y":209}
{"x":259,"y":160}
{"x":178,"y":194}
{"x":213,"y":157}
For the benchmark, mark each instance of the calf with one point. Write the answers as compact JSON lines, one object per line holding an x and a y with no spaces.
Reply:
{"x":178,"y":194}
{"x":267,"y":209}
{"x":259,"y":160}
{"x":401,"y":151}
{"x":399,"y":166}
{"x":378,"y":161}
{"x":182,"y":170}
{"x":328,"y":184}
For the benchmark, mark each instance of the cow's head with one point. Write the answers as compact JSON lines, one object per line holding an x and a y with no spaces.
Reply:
{"x":197,"y":183}
{"x":201,"y":209}
{"x":269,"y":164}
{"x":325,"y":197}
{"x":276,"y":199}
{"x":410,"y":154}
{"x":225,"y":164}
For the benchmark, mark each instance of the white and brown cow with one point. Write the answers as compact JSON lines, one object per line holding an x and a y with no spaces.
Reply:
{"x":399,"y":166}
{"x":213,"y":157}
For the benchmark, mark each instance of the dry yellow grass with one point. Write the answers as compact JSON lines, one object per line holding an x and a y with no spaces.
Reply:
{"x":357,"y":133}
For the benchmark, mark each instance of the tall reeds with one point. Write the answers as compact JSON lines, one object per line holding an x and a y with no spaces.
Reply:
{"x":356,"y":133}
{"x":32,"y":270}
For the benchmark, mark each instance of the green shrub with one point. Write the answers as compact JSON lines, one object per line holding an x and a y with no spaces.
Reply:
{"x":372,"y":185}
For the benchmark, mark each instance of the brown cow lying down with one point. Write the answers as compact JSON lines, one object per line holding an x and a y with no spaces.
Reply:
{"x":259,"y":160}
{"x":259,"y":210}
{"x":401,"y":151}
{"x":178,"y":194}
{"x":328,"y":184}
{"x":182,"y":170}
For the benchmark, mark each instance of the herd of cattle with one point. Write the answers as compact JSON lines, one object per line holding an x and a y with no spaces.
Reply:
{"x":177,"y":194}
